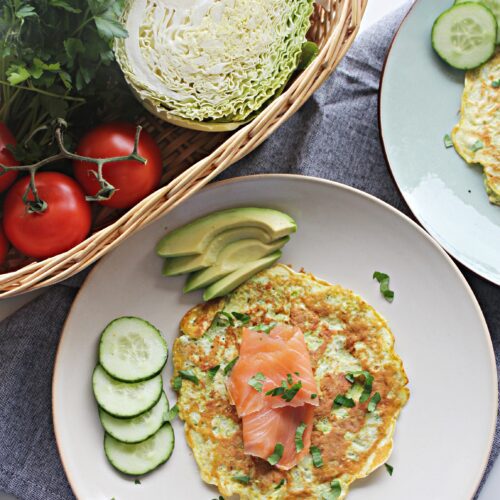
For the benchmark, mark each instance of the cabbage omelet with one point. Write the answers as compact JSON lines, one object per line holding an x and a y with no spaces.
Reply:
{"x":343,"y":334}
{"x":477,"y":136}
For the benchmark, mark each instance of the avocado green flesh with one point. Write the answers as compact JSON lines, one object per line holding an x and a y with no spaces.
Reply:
{"x":231,"y":258}
{"x":236,"y":278}
{"x":195,"y":237}
{"x":190,"y":263}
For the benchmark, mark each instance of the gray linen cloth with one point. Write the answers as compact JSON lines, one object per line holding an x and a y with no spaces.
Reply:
{"x":334,"y":135}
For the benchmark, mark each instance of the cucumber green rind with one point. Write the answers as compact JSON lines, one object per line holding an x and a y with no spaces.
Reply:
{"x":115,"y":362}
{"x":123,"y":456}
{"x":469,"y":57}
{"x":120,"y":406}
{"x":136,"y":429}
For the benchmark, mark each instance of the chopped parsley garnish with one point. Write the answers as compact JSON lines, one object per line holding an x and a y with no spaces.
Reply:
{"x":230,"y":365}
{"x":289,"y":379}
{"x":212,"y":372}
{"x":299,"y":444}
{"x":264,"y":328}
{"x":316,"y":456}
{"x":224,"y":319}
{"x":342,"y":400}
{"x":172,"y":413}
{"x":367,"y":385}
{"x":477,"y":146}
{"x":242,"y":479}
{"x":495,"y":84}
{"x":257,"y":381}
{"x":335,"y":491}
{"x":383,"y":279}
{"x":280,"y":484}
{"x":177,"y":384}
{"x":189,"y":375}
{"x":297,"y":373}
{"x":314,"y":396}
{"x":137,"y":481}
{"x":448,"y":143}
{"x":389,"y":468}
{"x":243,"y":318}
{"x":275,"y":457}
{"x":374,"y":401}
{"x":286,"y":392}
{"x":290,"y":393}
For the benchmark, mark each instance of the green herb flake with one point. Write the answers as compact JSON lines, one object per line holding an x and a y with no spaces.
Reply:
{"x":242,"y":318}
{"x":314,"y":396}
{"x":344,"y":401}
{"x":257,"y":381}
{"x":277,"y":391}
{"x":367,"y":384}
{"x":374,"y":401}
{"x":242,"y":479}
{"x":290,"y":393}
{"x":172,"y":413}
{"x":189,"y":375}
{"x":316,"y":456}
{"x":389,"y":468}
{"x":289,"y":379}
{"x":477,"y":146}
{"x":335,"y":491}
{"x":384,"y":279}
{"x":264,"y":328}
{"x":280,"y":484}
{"x":224,"y":319}
{"x":495,"y":84}
{"x":275,"y":457}
{"x":137,"y":481}
{"x":212,"y":372}
{"x":177,"y":384}
{"x":230,"y":365}
{"x":299,"y":433}
{"x":448,"y":143}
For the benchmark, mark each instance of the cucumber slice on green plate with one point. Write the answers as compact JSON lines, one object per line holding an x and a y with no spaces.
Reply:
{"x":140,"y":458}
{"x":493,"y":5}
{"x":465,"y":35}
{"x":122,"y":399}
{"x":131,"y":349}
{"x":136,"y":429}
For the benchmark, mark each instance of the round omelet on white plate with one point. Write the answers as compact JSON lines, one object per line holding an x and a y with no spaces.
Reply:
{"x":476,"y":137}
{"x":343,"y":334}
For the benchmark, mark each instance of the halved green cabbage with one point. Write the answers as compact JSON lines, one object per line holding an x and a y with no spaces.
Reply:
{"x":211,"y":64}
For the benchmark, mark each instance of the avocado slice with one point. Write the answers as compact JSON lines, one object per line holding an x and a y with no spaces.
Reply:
{"x":236,"y":278}
{"x":194,"y":238}
{"x":189,"y":263}
{"x":231,"y":258}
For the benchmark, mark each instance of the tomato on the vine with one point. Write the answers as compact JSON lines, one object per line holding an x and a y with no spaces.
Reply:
{"x":64,"y":223}
{"x":4,"y":246}
{"x":6,"y":157}
{"x":132,"y":179}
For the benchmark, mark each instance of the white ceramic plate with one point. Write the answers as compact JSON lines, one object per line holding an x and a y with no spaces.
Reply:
{"x":445,"y":432}
{"x":419,"y":103}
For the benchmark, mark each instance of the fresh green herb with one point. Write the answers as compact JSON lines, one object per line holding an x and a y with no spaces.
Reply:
{"x":291,"y":392}
{"x":212,"y":372}
{"x":297,"y":373}
{"x":477,"y":146}
{"x":383,"y":279}
{"x":229,"y":366}
{"x":172,"y":413}
{"x":286,"y":392}
{"x":242,"y":479}
{"x":342,"y":400}
{"x":224,"y":319}
{"x":367,"y":385}
{"x":448,"y":143}
{"x":280,"y":484}
{"x":257,"y":381}
{"x":314,"y":396}
{"x":275,"y":457}
{"x":137,"y":481}
{"x":495,"y":84}
{"x":277,"y":391}
{"x":189,"y":375}
{"x":335,"y":491}
{"x":316,"y":456}
{"x":264,"y":328}
{"x":289,"y":379}
{"x":177,"y":384}
{"x":242,"y":318}
{"x":374,"y":401}
{"x":299,"y":433}
{"x":389,"y":469}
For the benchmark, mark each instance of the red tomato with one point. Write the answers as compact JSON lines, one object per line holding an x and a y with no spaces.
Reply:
{"x":65,"y":223}
{"x":133,"y":180}
{"x":4,"y":246}
{"x":6,"y":157}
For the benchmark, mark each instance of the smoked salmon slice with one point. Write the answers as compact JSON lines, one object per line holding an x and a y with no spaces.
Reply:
{"x":264,"y":429}
{"x":273,"y":371}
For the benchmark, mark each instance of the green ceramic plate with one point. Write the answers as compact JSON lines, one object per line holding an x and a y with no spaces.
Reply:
{"x":419,"y":103}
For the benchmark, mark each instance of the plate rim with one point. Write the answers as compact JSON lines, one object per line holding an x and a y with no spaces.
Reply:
{"x":313,"y":180}
{"x":406,"y":19}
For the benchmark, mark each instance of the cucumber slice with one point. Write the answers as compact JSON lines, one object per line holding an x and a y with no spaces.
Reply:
{"x":124,"y":400}
{"x":493,"y":5}
{"x":465,"y":35}
{"x":136,"y":429}
{"x":140,"y":458}
{"x":132,"y":350}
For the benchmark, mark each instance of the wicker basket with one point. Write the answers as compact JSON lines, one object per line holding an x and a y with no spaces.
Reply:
{"x":194,"y":158}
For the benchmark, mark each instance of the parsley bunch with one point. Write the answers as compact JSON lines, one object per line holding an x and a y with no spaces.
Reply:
{"x":56,"y":61}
